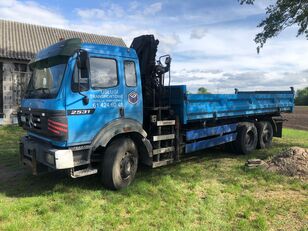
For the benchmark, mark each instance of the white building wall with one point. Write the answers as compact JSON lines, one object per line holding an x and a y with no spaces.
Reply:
{"x":8,"y":109}
{"x":11,"y":91}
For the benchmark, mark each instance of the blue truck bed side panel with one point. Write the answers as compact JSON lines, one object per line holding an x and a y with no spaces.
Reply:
{"x":192,"y":147}
{"x":212,"y":131}
{"x":196,"y":107}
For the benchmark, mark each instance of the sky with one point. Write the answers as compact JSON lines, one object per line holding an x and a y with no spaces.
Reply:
{"x":210,"y":41}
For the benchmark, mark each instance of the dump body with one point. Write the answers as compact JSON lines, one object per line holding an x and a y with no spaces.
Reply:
{"x":196,"y":107}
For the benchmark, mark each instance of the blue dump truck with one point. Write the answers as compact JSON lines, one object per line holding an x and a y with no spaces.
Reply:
{"x":105,"y":109}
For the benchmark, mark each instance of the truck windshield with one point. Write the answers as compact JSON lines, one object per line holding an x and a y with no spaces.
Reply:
{"x":45,"y":82}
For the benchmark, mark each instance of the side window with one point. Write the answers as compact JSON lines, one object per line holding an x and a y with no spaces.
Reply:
{"x":130,"y":73}
{"x":103,"y":72}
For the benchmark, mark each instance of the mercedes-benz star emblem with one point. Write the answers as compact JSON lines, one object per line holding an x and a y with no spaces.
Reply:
{"x":31,"y":121}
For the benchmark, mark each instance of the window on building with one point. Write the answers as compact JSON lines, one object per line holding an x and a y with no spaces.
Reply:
{"x":20,"y":67}
{"x":19,"y":80}
{"x":103,"y":72}
{"x":130,"y":73}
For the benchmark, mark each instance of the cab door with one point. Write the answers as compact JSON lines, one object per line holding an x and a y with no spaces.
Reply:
{"x":133,"y":94}
{"x":105,"y":99}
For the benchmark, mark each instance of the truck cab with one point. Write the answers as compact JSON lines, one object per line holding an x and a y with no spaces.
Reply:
{"x":61,"y":92}
{"x":79,"y":97}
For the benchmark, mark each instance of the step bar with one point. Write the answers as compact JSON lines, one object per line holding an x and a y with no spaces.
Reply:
{"x":165,"y":123}
{"x":163,"y":137}
{"x":83,"y":172}
{"x":163,"y":150}
{"x":162,"y":163}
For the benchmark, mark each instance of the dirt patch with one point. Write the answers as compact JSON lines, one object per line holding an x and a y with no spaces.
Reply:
{"x":298,"y":119}
{"x":281,"y":195}
{"x":291,"y":162}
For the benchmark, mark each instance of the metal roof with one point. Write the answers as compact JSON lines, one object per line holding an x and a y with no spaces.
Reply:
{"x":22,"y":41}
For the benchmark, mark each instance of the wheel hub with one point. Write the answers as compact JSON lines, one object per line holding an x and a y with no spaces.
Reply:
{"x":249,"y":138}
{"x":127,"y":165}
{"x":266,"y":136}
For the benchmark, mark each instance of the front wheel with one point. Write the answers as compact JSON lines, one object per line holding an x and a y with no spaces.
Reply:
{"x":120,"y":163}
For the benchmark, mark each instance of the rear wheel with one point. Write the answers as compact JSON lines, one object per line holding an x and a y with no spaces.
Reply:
{"x":265,"y":134}
{"x":120,"y":163}
{"x":247,"y":138}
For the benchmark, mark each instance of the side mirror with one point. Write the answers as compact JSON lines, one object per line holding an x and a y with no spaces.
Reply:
{"x":168,"y":60}
{"x":83,"y":74}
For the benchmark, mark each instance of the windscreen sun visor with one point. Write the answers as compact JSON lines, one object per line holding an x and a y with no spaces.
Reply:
{"x":58,"y":53}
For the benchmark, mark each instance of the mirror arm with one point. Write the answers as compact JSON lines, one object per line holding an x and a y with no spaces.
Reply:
{"x":85,"y":98}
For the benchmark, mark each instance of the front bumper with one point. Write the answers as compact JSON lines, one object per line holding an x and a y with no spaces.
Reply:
{"x":41,"y":156}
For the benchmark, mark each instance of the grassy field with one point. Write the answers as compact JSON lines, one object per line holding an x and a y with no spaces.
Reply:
{"x":213,"y":192}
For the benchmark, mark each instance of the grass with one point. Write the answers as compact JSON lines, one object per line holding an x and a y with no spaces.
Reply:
{"x":212,"y":192}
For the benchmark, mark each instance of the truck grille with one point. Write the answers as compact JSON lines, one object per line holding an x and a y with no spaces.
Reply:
{"x":33,"y":121}
{"x":49,"y":123}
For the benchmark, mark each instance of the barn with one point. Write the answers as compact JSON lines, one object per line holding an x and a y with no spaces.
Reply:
{"x":19,"y":42}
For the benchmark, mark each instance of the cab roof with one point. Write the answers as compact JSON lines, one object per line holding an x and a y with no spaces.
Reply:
{"x":61,"y":51}
{"x":109,"y":50}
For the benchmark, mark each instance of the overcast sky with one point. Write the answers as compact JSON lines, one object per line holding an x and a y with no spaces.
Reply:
{"x":211,"y":41}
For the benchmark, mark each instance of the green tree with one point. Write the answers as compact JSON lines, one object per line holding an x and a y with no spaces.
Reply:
{"x":282,"y":14}
{"x":203,"y":90}
{"x":302,"y":97}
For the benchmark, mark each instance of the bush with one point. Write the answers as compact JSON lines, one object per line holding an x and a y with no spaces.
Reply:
{"x":301,"y":98}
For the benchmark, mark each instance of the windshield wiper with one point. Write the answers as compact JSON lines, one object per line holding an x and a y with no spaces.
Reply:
{"x":28,"y":91}
{"x":43,"y":89}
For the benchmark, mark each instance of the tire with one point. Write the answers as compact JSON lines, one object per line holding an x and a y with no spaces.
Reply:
{"x":265,"y":134}
{"x":247,"y":138}
{"x":120,"y":163}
